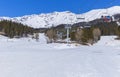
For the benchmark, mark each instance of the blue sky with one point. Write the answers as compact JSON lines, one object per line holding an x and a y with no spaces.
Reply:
{"x":13,"y":8}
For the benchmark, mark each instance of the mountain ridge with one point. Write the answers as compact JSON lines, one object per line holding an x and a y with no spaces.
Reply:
{"x":56,"y":18}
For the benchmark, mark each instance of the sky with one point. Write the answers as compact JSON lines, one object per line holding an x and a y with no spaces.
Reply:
{"x":15,"y":8}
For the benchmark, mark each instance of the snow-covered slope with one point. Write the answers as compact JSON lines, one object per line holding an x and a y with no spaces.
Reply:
{"x":56,"y":18}
{"x":94,"y":14}
{"x":27,"y":58}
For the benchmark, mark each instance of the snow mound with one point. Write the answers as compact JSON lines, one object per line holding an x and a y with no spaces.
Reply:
{"x":108,"y":41}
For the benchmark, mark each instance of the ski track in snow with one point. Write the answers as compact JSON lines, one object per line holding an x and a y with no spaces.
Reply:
{"x":28,"y":58}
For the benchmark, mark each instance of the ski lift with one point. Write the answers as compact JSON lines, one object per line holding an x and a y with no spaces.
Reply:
{"x":106,"y":17}
{"x":68,"y":27}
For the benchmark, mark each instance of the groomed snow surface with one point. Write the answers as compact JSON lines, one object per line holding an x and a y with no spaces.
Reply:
{"x":27,"y":58}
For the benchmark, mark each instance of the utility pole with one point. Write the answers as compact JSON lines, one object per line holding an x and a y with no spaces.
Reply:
{"x":68,"y":27}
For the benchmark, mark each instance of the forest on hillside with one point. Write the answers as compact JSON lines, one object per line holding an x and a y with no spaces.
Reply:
{"x":13,"y":29}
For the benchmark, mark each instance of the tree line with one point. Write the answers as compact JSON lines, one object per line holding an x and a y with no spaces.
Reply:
{"x":13,"y":29}
{"x":84,"y":34}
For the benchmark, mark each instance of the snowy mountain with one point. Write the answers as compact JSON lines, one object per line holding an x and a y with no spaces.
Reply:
{"x":56,"y":18}
{"x":94,"y":14}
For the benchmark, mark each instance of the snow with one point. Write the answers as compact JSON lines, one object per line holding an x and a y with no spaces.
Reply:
{"x":56,"y":18}
{"x":27,"y":58}
{"x":97,"y":13}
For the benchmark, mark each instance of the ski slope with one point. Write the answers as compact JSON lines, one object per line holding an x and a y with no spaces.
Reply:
{"x":27,"y":58}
